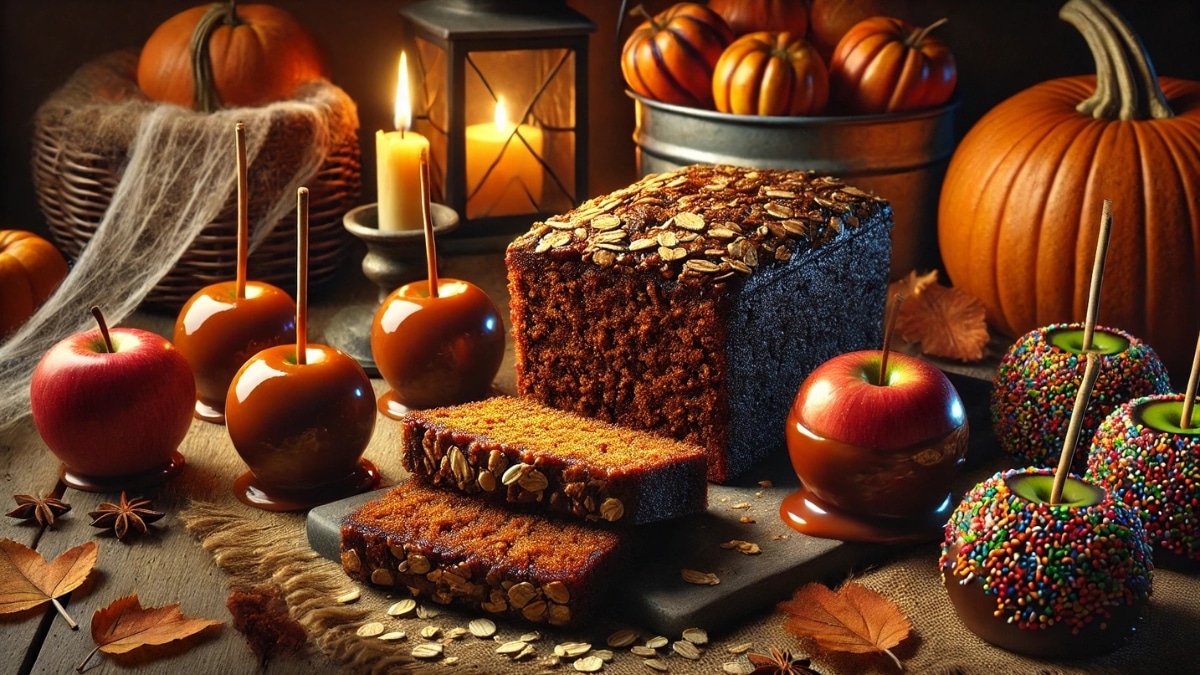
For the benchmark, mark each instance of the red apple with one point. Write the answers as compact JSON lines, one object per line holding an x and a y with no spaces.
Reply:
{"x":301,"y":427}
{"x":216,"y":331}
{"x":436,"y":351}
{"x":875,"y":461}
{"x":113,"y":413}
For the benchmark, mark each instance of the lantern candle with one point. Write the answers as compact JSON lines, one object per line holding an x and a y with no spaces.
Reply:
{"x":398,"y":162}
{"x":514,"y":184}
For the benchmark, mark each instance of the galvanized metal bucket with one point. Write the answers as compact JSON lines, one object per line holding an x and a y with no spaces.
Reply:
{"x":900,"y":157}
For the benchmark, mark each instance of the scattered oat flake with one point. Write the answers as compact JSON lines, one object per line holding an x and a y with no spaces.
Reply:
{"x":853,"y":619}
{"x":699,"y":578}
{"x":686,"y":649}
{"x":622,"y":638}
{"x":370,"y":629}
{"x":696,"y":636}
{"x":745,"y":547}
{"x":347,"y":597}
{"x":657,"y":642}
{"x":642,"y":650}
{"x":402,"y":607}
{"x":588,"y":664}
{"x":450,"y":660}
{"x":656,"y":664}
{"x":741,"y":649}
{"x":747,"y":520}
{"x":781,"y":537}
{"x":741,"y":505}
{"x":394,"y":635}
{"x":482,"y":628}
{"x":947,"y":322}
{"x":427,"y":650}
{"x":765,"y":483}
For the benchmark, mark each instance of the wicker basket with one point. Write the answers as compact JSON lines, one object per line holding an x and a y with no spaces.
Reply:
{"x":75,"y":185}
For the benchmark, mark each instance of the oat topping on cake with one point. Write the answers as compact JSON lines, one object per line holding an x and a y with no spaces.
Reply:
{"x":705,"y":222}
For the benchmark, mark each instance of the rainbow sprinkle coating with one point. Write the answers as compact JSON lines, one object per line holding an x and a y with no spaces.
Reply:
{"x":1048,"y":564}
{"x":1155,"y":473}
{"x":1035,"y":387}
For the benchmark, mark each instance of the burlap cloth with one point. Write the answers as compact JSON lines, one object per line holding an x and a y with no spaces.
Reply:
{"x":257,"y":547}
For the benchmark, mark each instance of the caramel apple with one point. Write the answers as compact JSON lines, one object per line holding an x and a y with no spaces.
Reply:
{"x":224,"y":324}
{"x":436,"y":342}
{"x":300,"y":415}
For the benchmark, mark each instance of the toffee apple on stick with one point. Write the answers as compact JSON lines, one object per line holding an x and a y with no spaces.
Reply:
{"x":226,"y":323}
{"x":113,"y":406}
{"x":876,"y":439}
{"x":1147,"y":453}
{"x":438,"y":341}
{"x":1046,"y":564}
{"x":301,"y":414}
{"x":1037,"y":377}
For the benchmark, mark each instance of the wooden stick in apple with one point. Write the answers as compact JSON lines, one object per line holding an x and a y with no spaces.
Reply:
{"x":889,"y":325}
{"x":1189,"y":396}
{"x":1068,"y":450}
{"x":1089,"y":327}
{"x":301,"y":275}
{"x":243,"y":209}
{"x":427,"y":217}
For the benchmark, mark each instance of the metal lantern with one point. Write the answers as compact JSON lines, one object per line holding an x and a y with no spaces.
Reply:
{"x":502,"y":97}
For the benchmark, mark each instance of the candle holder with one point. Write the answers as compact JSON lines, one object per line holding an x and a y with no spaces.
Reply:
{"x":394,"y":258}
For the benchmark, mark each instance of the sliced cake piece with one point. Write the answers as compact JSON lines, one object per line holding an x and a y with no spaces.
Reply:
{"x":458,"y":550}
{"x":524,"y":453}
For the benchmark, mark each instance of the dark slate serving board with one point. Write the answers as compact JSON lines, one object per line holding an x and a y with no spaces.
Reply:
{"x":655,"y":596}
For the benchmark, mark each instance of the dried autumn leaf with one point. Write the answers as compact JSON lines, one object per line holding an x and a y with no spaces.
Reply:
{"x":125,"y":626}
{"x":855,"y":619}
{"x":947,"y":322}
{"x":27,"y":580}
{"x":912,"y":285}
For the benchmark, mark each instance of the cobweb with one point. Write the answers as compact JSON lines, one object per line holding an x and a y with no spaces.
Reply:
{"x":179,"y":175}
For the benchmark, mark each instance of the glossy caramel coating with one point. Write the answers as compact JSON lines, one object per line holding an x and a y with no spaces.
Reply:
{"x":438,"y":351}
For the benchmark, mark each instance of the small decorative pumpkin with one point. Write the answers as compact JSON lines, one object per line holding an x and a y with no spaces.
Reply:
{"x":1020,"y":205}
{"x":887,"y":65}
{"x":751,"y":16}
{"x":828,"y":20}
{"x":30,"y":269}
{"x":670,"y":57}
{"x":769,"y":73}
{"x":223,"y":55}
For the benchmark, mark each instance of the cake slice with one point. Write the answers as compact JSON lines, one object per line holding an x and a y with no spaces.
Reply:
{"x":457,"y":550}
{"x":520,"y":452}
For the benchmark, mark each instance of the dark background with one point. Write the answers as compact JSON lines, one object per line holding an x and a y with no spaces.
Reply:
{"x":1002,"y":47}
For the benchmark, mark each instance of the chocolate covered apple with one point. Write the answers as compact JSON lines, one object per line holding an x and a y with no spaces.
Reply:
{"x":113,"y":406}
{"x":1045,"y":564}
{"x":1038,"y":378}
{"x":224,"y":324}
{"x":436,"y":342}
{"x":1147,"y":453}
{"x":876,"y":439}
{"x":300,"y":415}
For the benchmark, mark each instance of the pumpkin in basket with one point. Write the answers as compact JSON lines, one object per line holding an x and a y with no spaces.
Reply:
{"x":670,"y":57}
{"x":767,"y":73}
{"x":225,"y":55}
{"x":887,"y":65}
{"x":751,"y":16}
{"x":1020,"y":206}
{"x":30,"y":269}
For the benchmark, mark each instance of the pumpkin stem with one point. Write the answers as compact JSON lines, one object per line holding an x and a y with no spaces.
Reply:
{"x":640,"y":10}
{"x":204,"y":89}
{"x":1126,"y":84}
{"x":917,"y":36}
{"x":231,"y":15}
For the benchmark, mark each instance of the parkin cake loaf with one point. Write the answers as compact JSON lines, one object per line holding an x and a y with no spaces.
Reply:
{"x":694,"y":302}
{"x":458,"y":550}
{"x":531,"y":456}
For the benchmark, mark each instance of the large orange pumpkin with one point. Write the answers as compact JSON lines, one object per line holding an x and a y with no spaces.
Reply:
{"x":769,"y":73}
{"x":30,"y":269}
{"x":670,"y":57}
{"x":225,"y":55}
{"x":887,"y":65}
{"x":751,"y":16}
{"x":1020,"y":206}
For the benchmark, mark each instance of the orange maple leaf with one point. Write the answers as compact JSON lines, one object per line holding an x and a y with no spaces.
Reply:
{"x":27,"y":580}
{"x":945,"y":321}
{"x":125,"y":626}
{"x":855,"y":619}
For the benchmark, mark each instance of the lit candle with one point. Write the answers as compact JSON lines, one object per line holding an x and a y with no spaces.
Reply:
{"x":398,"y":162}
{"x":514,"y":184}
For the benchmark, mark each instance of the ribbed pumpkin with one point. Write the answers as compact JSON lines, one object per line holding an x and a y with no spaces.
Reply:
{"x":670,"y":57}
{"x":752,"y":16}
{"x":887,"y":65}
{"x":828,"y":20}
{"x":770,"y":73}
{"x":225,"y":55}
{"x":30,"y":269}
{"x":1021,"y":202}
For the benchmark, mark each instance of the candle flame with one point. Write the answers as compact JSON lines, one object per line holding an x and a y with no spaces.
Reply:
{"x":403,"y":118}
{"x":501,"y":115}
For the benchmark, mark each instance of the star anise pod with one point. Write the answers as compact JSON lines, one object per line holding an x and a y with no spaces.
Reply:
{"x":130,"y":516}
{"x":779,"y":662}
{"x":43,"y":510}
